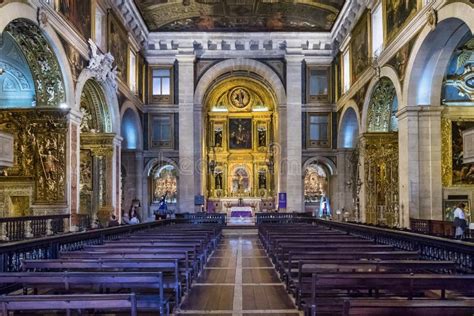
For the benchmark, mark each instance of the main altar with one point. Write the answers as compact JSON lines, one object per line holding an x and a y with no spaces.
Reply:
{"x":240,"y":150}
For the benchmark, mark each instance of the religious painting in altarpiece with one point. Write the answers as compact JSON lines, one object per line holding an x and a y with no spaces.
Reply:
{"x":455,"y":171}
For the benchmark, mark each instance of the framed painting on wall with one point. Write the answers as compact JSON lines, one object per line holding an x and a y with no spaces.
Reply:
{"x":397,"y":14}
{"x":360,"y":47}
{"x":78,"y":13}
{"x":117,"y":44}
{"x":240,"y":133}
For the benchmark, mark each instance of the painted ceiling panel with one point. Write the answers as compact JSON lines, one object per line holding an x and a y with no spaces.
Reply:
{"x":240,"y":15}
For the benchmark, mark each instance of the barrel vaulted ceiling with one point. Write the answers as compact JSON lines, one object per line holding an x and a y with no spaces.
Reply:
{"x":240,"y":15}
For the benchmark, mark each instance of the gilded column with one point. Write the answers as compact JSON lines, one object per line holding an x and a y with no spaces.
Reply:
{"x":187,"y":129}
{"x":293,"y":162}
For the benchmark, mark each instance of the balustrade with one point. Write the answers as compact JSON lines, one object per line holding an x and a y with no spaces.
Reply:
{"x":19,"y":228}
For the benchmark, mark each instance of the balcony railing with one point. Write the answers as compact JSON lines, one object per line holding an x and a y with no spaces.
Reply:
{"x":25,"y":227}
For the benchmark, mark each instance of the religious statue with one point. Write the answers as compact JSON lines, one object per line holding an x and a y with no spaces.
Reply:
{"x":218,"y":138}
{"x":240,"y":98}
{"x":49,"y":164}
{"x":218,"y":181}
{"x":262,"y":180}
{"x":262,"y":138}
{"x":324,"y":207}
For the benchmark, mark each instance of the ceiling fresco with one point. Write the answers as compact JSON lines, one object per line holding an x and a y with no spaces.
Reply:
{"x":240,"y":15}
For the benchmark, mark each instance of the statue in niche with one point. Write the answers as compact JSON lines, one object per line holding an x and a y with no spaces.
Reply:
{"x":49,"y":164}
{"x":218,"y":138}
{"x":262,"y":180}
{"x":240,"y":181}
{"x":218,"y":181}
{"x":262,"y":137}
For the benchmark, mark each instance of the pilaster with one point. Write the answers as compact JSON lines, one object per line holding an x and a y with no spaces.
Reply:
{"x":293,"y":162}
{"x":187,"y":129}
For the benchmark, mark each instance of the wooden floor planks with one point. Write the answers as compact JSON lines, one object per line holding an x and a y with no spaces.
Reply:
{"x":239,"y":279}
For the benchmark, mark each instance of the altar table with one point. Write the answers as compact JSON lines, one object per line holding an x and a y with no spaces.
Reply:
{"x":241,"y":211}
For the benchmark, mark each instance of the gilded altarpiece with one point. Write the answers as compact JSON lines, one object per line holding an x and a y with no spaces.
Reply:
{"x":239,"y":140}
{"x":40,"y":154}
{"x":379,"y":153}
{"x":454,"y":171}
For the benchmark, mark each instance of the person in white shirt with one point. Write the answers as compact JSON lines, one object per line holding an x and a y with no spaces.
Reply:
{"x":460,"y":220}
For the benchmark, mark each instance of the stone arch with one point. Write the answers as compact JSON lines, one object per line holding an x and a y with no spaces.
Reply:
{"x":155,"y":162}
{"x":432,"y":52}
{"x":328,"y":163}
{"x":387,"y":72}
{"x":20,"y":11}
{"x":349,"y":126}
{"x":94,"y":108}
{"x":242,"y":64}
{"x":110,"y":98}
{"x":130,"y":119}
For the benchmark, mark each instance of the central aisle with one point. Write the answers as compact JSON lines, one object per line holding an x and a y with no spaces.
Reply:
{"x":239,"y":279}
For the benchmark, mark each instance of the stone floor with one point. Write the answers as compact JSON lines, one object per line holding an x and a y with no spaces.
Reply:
{"x":239,"y":279}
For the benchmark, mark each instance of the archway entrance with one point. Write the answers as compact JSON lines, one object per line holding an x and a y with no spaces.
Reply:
{"x":239,"y":147}
{"x":96,"y":153}
{"x":379,"y":153}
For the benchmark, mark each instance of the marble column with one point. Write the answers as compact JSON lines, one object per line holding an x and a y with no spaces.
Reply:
{"x":431,"y":188}
{"x":73,"y":160}
{"x":187,"y":129}
{"x":342,"y":197}
{"x":293,"y":163}
{"x":139,"y":183}
{"x":409,"y":163}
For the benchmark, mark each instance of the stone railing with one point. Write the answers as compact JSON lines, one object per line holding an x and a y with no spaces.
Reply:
{"x":25,"y":227}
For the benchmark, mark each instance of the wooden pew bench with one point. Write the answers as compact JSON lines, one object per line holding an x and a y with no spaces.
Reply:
{"x":187,"y":267}
{"x":140,"y":282}
{"x":168,"y":267}
{"x":412,"y":307}
{"x":400,"y":285}
{"x":68,"y":303}
{"x":291,"y":262}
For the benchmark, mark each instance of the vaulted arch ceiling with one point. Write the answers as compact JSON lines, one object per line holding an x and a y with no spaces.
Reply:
{"x":240,"y":15}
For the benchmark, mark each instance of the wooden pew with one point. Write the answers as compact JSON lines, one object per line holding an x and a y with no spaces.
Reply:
{"x":287,"y":264}
{"x":68,"y":302}
{"x":190,"y":269}
{"x":168,"y":267}
{"x":412,"y":308}
{"x":106,"y":280}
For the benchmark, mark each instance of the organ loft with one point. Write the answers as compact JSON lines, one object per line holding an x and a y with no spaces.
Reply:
{"x":236,"y":157}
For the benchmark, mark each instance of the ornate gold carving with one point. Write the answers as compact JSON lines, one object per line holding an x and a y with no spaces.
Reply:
{"x":40,"y":150}
{"x":239,"y":97}
{"x":446,"y":152}
{"x":380,"y":157}
{"x":237,"y":158}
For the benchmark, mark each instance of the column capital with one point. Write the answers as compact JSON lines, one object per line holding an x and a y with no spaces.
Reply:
{"x":292,"y":58}
{"x":186,"y":58}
